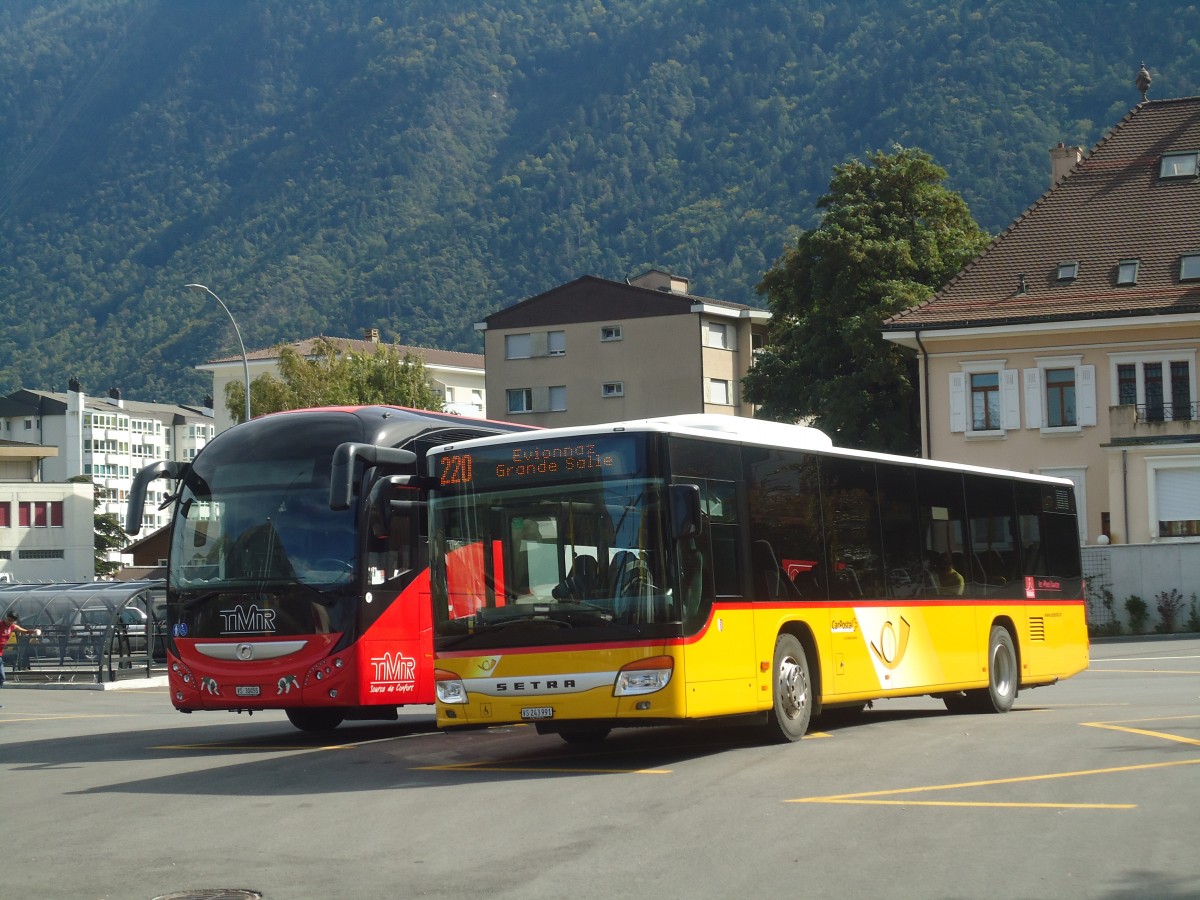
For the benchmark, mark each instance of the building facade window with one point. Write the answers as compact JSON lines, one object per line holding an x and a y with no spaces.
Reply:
{"x":1189,"y":267}
{"x":5,"y":515}
{"x":1068,"y":271}
{"x":716,"y":334}
{"x":719,"y":392}
{"x":610,"y":332}
{"x":1174,"y":494}
{"x":558,"y":398}
{"x":518,"y":346}
{"x":556,"y":343}
{"x":40,"y":514}
{"x":1060,"y":394}
{"x":1161,"y":386}
{"x":1060,"y":398}
{"x":520,"y":400}
{"x":984,"y":399}
{"x":612,"y":389}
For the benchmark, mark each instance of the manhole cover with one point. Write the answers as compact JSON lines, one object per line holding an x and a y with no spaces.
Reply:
{"x":213,"y":894}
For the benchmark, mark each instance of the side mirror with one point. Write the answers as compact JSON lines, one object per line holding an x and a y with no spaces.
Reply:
{"x":341,"y":472}
{"x":686,"y":520}
{"x":389,"y":496}
{"x":141,"y":481}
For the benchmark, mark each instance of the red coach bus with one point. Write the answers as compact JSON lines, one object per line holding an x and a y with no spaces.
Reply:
{"x":298,"y":570}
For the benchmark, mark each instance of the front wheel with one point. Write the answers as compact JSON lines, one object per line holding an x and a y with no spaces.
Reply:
{"x":792,"y":702}
{"x":315,"y":719}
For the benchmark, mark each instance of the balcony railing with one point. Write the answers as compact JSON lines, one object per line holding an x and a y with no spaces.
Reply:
{"x":1167,"y":412}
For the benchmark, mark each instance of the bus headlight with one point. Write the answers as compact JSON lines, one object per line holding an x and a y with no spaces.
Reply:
{"x":449,"y":686}
{"x":644,"y":676}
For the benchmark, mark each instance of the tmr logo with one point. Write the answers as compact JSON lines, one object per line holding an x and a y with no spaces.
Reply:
{"x":247,"y":621}
{"x":393,"y":674}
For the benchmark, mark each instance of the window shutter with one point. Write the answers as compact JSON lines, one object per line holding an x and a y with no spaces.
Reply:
{"x":1010,"y":397}
{"x":958,"y":401}
{"x":1085,"y":394}
{"x":1033,"y":398}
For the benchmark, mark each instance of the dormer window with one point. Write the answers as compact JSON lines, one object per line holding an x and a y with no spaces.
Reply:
{"x":1178,"y":165}
{"x":1127,"y":271}
{"x":1189,"y":267}
{"x":1068,"y":271}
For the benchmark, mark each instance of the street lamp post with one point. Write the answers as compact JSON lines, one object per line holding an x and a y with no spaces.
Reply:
{"x":201,"y":289}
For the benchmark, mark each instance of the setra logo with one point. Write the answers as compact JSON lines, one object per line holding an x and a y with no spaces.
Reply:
{"x":892,"y":643}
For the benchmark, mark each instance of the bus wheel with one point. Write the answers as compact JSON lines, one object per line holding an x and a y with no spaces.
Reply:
{"x":315,"y":719}
{"x":1003,"y":676}
{"x":792,"y":706}
{"x":584,"y":735}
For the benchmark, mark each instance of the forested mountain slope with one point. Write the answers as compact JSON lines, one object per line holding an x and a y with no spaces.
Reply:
{"x":331,"y":165}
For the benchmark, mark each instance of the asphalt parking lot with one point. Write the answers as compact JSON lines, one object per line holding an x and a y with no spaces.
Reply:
{"x":1086,"y":789}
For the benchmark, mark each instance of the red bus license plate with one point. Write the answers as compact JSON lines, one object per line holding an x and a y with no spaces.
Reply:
{"x":247,"y":690}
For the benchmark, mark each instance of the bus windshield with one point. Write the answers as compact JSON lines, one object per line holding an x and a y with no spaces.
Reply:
{"x":257,"y":550}
{"x":524,"y":564}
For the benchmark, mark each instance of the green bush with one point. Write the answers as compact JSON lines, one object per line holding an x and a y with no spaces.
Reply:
{"x":1137,"y":609}
{"x":1169,"y":606}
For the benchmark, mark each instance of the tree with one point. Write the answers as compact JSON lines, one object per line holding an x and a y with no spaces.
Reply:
{"x":109,"y":536}
{"x":890,"y":235}
{"x":331,"y":377}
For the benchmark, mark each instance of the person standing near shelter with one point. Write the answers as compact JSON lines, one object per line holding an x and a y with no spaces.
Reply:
{"x":7,"y":627}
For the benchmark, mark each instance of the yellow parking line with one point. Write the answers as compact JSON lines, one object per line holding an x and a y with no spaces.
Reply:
{"x":1123,"y":726}
{"x":864,"y":797}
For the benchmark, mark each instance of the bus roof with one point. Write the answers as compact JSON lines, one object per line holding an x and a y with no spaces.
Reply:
{"x":742,"y":430}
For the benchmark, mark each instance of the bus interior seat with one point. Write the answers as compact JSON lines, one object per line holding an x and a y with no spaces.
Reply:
{"x":583,"y":581}
{"x":769,"y":578}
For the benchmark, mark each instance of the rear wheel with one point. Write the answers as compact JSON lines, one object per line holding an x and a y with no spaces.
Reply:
{"x":1003,"y":674}
{"x":315,"y":719}
{"x":792,"y":703}
{"x":1003,"y":679}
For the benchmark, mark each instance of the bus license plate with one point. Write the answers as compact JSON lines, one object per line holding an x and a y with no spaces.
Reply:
{"x":537,"y":712}
{"x":247,"y":690}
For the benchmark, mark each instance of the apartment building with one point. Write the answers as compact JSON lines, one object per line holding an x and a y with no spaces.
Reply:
{"x":456,"y":377}
{"x":595,"y":350}
{"x":106,"y":438}
{"x":1069,"y":346}
{"x":46,"y":528}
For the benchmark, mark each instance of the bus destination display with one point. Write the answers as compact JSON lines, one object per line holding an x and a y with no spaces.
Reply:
{"x":529,"y":463}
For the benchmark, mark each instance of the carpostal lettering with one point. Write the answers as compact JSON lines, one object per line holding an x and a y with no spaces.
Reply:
{"x":247,"y":621}
{"x":539,"y":685}
{"x":551,"y":460}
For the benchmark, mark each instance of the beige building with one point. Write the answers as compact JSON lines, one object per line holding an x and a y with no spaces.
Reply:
{"x":456,"y":377}
{"x":595,"y":350}
{"x":1069,"y":346}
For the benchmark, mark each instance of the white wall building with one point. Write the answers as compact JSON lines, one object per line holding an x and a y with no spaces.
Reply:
{"x":106,"y":438}
{"x":45,"y":527}
{"x":457,"y":377}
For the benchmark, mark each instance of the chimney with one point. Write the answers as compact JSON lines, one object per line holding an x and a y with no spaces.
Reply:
{"x":658,"y":280}
{"x":208,"y":401}
{"x":1062,"y":160}
{"x":74,"y":386}
{"x":371,"y":335}
{"x":114,"y":396}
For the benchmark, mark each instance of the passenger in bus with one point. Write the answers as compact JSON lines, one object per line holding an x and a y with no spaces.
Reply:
{"x":949,"y":580}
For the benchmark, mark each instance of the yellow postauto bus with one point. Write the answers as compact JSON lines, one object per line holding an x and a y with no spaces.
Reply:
{"x":693,"y":568}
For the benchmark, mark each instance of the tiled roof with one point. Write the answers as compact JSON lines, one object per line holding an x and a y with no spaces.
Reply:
{"x":590,"y":298}
{"x":1112,"y":206}
{"x":451,"y":358}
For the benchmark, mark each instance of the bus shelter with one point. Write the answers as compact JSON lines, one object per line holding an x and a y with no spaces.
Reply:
{"x":97,"y":630}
